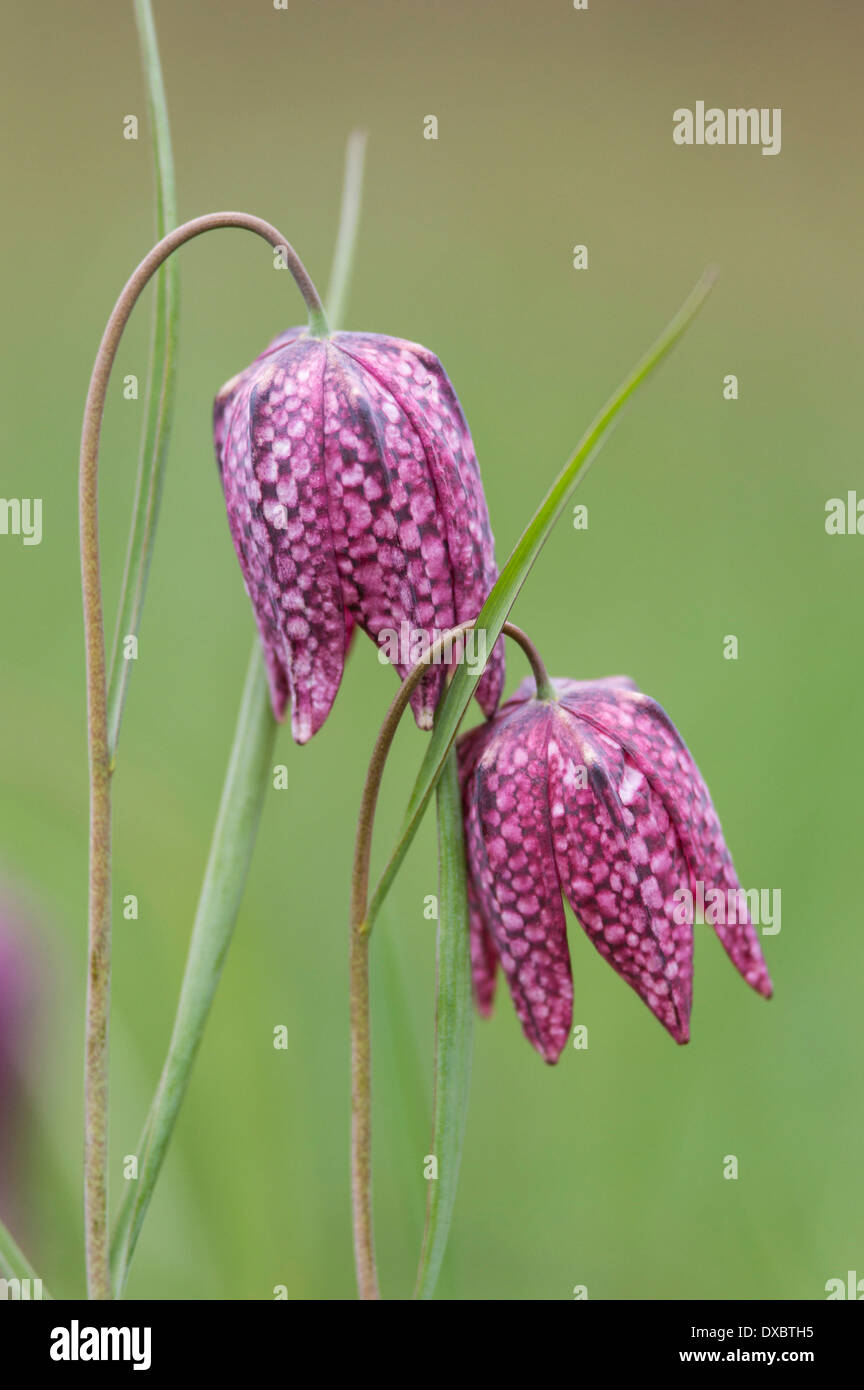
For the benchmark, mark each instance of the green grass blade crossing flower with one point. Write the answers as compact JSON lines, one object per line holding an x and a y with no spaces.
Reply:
{"x":160,"y":384}
{"x":500,"y":601}
{"x":454,"y":1028}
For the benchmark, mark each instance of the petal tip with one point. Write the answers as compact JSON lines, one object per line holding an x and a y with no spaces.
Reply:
{"x":301,"y":728}
{"x":551,"y":1051}
{"x":278,"y":704}
{"x":679,"y":1030}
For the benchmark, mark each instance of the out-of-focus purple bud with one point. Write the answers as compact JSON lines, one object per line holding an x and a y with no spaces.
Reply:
{"x":15,"y":1005}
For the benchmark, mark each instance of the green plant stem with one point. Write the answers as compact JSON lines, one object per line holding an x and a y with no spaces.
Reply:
{"x":454,"y":1028}
{"x":359,"y":927}
{"x":213,"y":928}
{"x":349,"y":222}
{"x":359,"y":998}
{"x":361,"y":1116}
{"x":100,"y":761}
{"x":247,"y":779}
{"x":161,"y":380}
{"x":505,"y":591}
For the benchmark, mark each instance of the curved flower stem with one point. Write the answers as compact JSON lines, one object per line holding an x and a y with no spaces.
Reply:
{"x":99,"y":963}
{"x":219,"y":901}
{"x":361,"y":1117}
{"x":545,"y":688}
{"x":361,"y":1051}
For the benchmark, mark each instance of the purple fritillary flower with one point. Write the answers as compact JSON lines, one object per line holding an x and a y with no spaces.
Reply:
{"x":593,"y":795}
{"x":353,"y":496}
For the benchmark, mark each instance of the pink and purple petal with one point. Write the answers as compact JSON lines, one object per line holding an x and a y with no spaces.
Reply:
{"x":421,"y":388}
{"x":514,"y":873}
{"x":619,"y":863}
{"x":484,"y":953}
{"x":389,"y":530}
{"x":276,"y":490}
{"x":640,"y":726}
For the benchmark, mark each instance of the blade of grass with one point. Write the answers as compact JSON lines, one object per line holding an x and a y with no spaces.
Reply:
{"x":454,"y":1029}
{"x":400,"y":1076}
{"x":161,"y":379}
{"x":346,"y":237}
{"x":246,"y":782}
{"x":500,"y":601}
{"x":14,"y":1263}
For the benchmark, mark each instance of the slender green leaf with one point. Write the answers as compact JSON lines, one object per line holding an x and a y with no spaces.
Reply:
{"x":247,"y":779}
{"x":497,"y":607}
{"x":159,"y":406}
{"x":400,"y":1075}
{"x":346,"y":237}
{"x":14,"y":1263}
{"x":454,"y":1029}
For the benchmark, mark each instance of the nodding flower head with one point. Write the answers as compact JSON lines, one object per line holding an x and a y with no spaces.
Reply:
{"x":353,"y":497}
{"x":592,"y":794}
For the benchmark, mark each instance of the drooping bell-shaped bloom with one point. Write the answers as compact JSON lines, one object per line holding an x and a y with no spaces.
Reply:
{"x":593,"y":795}
{"x":354,"y":497}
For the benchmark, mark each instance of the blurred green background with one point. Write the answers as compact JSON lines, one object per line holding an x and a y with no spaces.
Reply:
{"x":706,"y":518}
